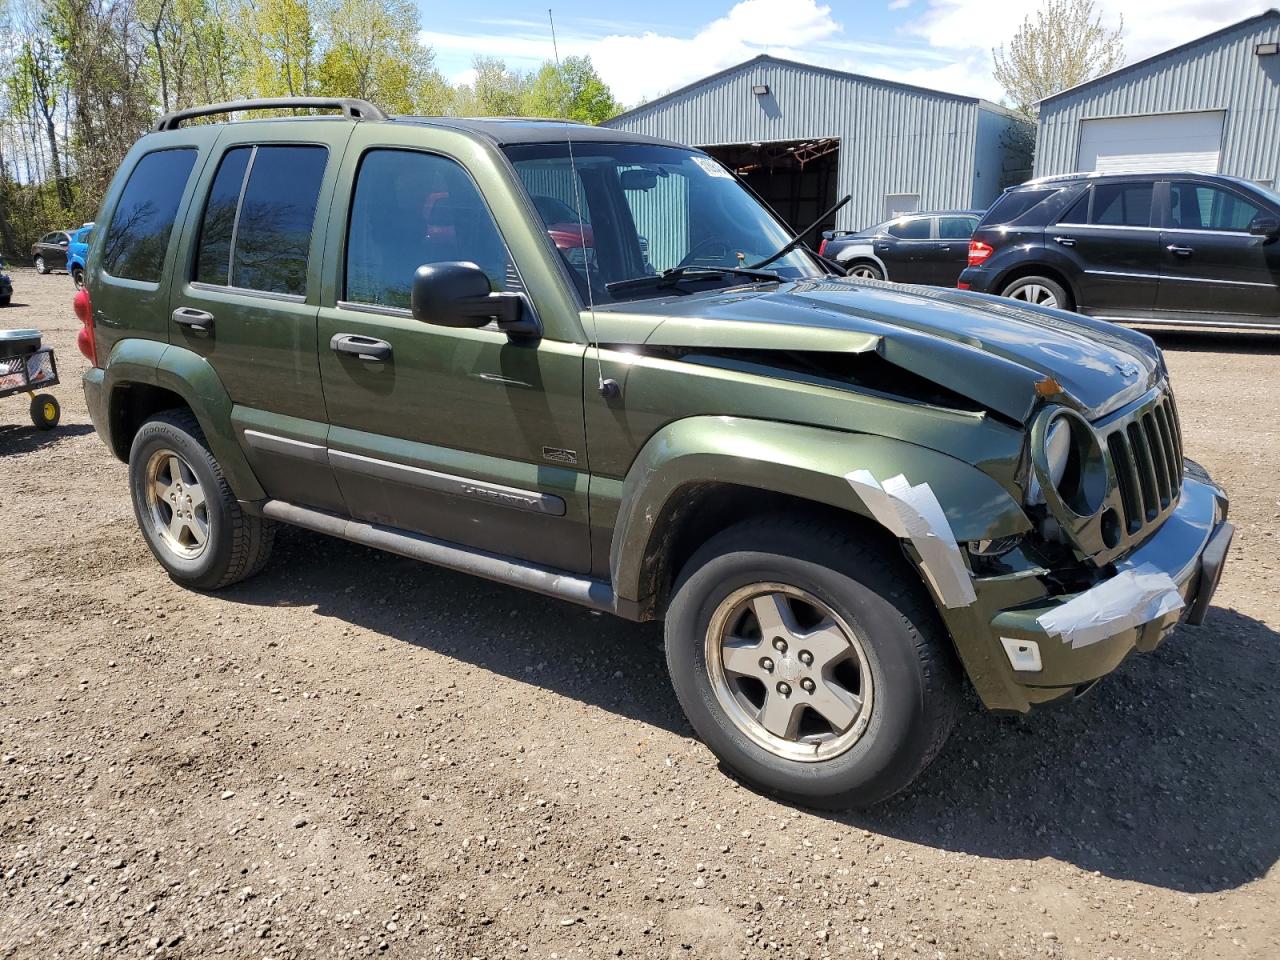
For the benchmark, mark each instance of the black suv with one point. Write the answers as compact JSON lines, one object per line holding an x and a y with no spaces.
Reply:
{"x":1169,"y":248}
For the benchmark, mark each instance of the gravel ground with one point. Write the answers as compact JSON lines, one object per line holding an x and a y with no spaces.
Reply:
{"x":354,"y":754}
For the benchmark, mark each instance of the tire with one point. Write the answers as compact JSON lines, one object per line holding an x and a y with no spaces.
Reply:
{"x":41,"y":266}
{"x":1040,"y":291}
{"x":865,"y":270}
{"x":211,"y":544}
{"x":45,"y":411}
{"x":77,"y":277}
{"x":4,"y":301}
{"x":908,"y":708}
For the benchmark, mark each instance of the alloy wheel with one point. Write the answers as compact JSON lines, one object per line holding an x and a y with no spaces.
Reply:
{"x":864,"y":272}
{"x":789,"y":672}
{"x":176,"y":504}
{"x":1035,"y":293}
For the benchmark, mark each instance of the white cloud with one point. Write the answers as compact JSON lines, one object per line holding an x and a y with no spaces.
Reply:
{"x":945,"y":44}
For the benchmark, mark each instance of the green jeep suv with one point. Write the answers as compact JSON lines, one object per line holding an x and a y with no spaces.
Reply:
{"x":842,"y":496}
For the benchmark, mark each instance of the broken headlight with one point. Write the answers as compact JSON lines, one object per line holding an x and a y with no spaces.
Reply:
{"x":1067,"y":466}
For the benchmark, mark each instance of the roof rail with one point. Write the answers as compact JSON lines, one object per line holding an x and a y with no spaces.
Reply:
{"x":351,"y":108}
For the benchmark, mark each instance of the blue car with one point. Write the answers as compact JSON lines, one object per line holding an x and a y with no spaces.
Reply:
{"x":78,"y":253}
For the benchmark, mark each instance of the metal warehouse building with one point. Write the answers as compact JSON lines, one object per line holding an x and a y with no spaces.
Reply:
{"x":804,"y":136}
{"x":1208,"y":106}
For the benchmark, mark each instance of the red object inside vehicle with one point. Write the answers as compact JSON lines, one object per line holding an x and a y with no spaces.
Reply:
{"x":569,"y":236}
{"x":978,"y":252}
{"x":822,"y":247}
{"x":85,"y":339}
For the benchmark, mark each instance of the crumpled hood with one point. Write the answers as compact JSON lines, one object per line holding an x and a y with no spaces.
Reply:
{"x":993,"y":350}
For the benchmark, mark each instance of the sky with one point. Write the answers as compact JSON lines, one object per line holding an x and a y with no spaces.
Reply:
{"x":646,"y":48}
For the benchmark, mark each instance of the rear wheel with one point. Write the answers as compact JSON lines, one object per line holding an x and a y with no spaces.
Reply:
{"x":811,"y":663}
{"x":77,"y":277}
{"x":187,"y":512}
{"x":865,"y":271}
{"x":1040,"y":291}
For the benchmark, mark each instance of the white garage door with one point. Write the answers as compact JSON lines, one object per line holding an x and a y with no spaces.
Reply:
{"x":1154,"y":143}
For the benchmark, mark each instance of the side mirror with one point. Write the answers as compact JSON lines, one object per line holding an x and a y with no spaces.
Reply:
{"x":1265,"y":226}
{"x":457,"y":294}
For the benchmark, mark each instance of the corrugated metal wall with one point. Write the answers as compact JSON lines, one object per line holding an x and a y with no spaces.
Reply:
{"x":893,"y":139}
{"x":1220,"y":73}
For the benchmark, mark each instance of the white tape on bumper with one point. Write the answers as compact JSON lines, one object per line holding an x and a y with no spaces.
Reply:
{"x":1127,"y":600}
{"x":913,"y":513}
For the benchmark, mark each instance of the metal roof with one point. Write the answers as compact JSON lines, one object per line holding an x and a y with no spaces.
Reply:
{"x":1171,"y":52}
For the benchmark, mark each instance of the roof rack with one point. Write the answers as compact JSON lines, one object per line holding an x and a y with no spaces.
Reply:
{"x":351,"y":108}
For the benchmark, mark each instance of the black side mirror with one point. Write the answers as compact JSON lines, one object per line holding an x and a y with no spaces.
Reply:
{"x":1265,"y":226}
{"x":457,"y":294}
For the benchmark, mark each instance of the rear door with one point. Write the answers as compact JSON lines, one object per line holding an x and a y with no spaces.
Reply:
{"x":949,"y":252}
{"x":250,"y":290}
{"x":904,"y":248}
{"x":1108,"y":238}
{"x":1211,"y":266}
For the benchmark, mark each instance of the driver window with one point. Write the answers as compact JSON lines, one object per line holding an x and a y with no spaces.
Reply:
{"x":410,"y":209}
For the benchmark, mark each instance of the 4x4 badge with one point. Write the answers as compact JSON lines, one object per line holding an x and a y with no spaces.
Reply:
{"x":559,"y":455}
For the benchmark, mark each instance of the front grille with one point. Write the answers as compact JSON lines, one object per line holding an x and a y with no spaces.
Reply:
{"x":1146,"y":454}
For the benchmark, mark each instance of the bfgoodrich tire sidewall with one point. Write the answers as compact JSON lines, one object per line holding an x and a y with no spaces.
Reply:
{"x":206,"y":570}
{"x":883,"y":760}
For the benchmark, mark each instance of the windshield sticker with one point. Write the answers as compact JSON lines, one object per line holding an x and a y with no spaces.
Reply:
{"x":712,"y":168}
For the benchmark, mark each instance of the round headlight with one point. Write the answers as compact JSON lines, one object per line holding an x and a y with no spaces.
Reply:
{"x":1070,"y":463}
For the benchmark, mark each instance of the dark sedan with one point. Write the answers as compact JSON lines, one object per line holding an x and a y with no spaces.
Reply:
{"x":50,"y":251}
{"x":928,"y":247}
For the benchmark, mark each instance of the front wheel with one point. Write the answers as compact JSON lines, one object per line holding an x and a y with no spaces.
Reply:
{"x":1040,"y":291}
{"x":186,"y":510}
{"x":41,"y":266}
{"x":811,"y":662}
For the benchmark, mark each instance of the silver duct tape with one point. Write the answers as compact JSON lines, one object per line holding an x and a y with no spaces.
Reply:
{"x":913,"y":513}
{"x":1127,"y":600}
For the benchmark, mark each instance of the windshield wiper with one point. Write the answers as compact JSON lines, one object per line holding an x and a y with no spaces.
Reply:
{"x":669,"y":278}
{"x":799,"y":237}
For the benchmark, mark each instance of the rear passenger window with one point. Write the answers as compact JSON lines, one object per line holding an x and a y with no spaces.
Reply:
{"x":917,"y":229}
{"x":256,"y":231}
{"x":414,"y":208}
{"x":1122,"y":204}
{"x":138,"y":236}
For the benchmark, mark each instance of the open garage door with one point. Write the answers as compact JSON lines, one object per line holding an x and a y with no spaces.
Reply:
{"x":797,"y":177}
{"x":1153,"y":143}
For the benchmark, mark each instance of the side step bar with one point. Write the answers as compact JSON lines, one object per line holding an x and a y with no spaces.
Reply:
{"x":548,"y":581}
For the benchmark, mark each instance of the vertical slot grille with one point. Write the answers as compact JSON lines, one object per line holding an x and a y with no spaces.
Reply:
{"x":1146,"y":454}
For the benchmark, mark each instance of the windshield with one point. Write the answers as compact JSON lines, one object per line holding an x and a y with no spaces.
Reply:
{"x":646,"y":208}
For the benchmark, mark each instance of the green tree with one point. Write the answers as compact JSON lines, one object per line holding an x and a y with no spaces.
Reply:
{"x":495,"y":91}
{"x":1063,"y":44}
{"x":372,"y":51}
{"x":282,"y":47}
{"x":573,"y":90}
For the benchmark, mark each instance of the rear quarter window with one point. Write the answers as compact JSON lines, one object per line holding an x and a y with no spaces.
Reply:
{"x":137,"y":237}
{"x":1013,"y":206}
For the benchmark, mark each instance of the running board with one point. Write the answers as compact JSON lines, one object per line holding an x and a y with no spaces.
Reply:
{"x":548,"y":581}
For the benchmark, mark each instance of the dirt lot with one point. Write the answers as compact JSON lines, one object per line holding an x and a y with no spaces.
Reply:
{"x":354,"y":754}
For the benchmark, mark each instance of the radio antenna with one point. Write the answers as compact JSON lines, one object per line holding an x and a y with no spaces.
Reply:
{"x":607,"y":388}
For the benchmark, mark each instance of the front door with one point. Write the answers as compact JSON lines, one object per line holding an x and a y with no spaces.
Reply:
{"x":1113,"y":249}
{"x":1211,"y":265}
{"x":949,"y":252}
{"x":904,"y":249}
{"x":465,"y":435}
{"x":250,"y":294}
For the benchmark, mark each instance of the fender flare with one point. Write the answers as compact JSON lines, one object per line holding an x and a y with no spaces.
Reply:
{"x":810,"y":463}
{"x":192,"y":377}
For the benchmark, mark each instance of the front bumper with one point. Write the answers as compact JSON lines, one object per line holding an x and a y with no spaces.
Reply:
{"x":1041,"y":647}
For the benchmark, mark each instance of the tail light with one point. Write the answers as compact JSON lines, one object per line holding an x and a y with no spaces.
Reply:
{"x":822,"y":247}
{"x":85,"y":339}
{"x":978,"y":252}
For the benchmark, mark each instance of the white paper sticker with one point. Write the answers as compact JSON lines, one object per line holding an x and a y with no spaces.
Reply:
{"x":711,"y":167}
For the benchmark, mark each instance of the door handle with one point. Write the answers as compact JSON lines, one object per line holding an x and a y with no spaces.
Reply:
{"x":366,"y":348}
{"x":195,"y":319}
{"x":1065,"y":241}
{"x":1180,"y":251}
